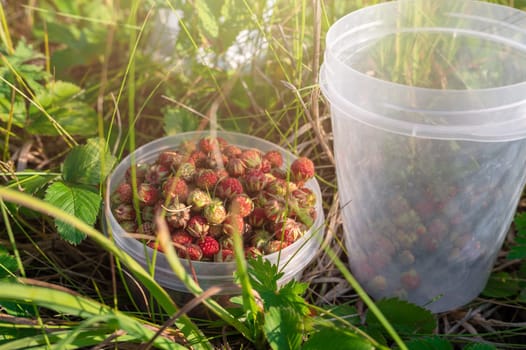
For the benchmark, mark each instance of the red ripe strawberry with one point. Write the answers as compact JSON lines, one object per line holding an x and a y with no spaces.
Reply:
{"x":210,"y":246}
{"x":251,"y":158}
{"x":255,"y":181}
{"x":156,"y":174}
{"x":148,"y":194}
{"x":215,"y":212}
{"x":228,"y":187}
{"x":410,"y":279}
{"x":265,"y":166}
{"x":225,"y":255}
{"x":175,"y":187}
{"x":197,"y":226}
{"x":192,"y":252}
{"x":235,"y":167}
{"x":257,"y":218}
{"x":274,"y":246}
{"x":206,"y":179}
{"x":277,"y":187}
{"x":274,"y":210}
{"x":140,"y":173}
{"x":233,"y":224}
{"x":241,"y":205}
{"x":181,"y":238}
{"x":301,"y":170}
{"x":289,"y":230}
{"x":208,"y":144}
{"x":198,"y":158}
{"x":221,"y":142}
{"x":198,"y":199}
{"x":232,"y":151}
{"x":274,"y":158}
{"x":221,"y":173}
{"x":155,"y":245}
{"x":123,"y":194}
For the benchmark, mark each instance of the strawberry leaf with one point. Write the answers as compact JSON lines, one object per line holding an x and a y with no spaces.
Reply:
{"x":77,"y":201}
{"x":479,"y":346}
{"x":501,"y":285}
{"x":405,"y":317}
{"x":8,"y":264}
{"x":88,"y":164}
{"x":283,"y":328}
{"x":518,"y":251}
{"x":429,"y":343}
{"x":336,"y":339}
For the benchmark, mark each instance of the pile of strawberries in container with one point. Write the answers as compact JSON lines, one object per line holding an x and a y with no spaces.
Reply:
{"x":209,"y":190}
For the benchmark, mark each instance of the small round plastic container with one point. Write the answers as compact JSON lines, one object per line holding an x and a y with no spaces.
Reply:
{"x":291,"y":260}
{"x":428,"y":108}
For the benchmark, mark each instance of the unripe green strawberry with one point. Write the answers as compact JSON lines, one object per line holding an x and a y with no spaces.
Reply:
{"x":251,"y":158}
{"x":274,"y":158}
{"x":260,"y":238}
{"x":206,"y":179}
{"x":148,"y":212}
{"x":148,"y":194}
{"x":233,"y":224}
{"x":215,"y":212}
{"x":186,"y":171}
{"x":175,"y":188}
{"x":198,"y":199}
{"x":209,"y":246}
{"x":123,"y":194}
{"x":198,"y":226}
{"x":252,"y":252}
{"x":277,"y":187}
{"x":235,"y":167}
{"x":147,"y":228}
{"x":129,"y":226}
{"x":241,"y":205}
{"x":228,"y":187}
{"x":124,"y":212}
{"x":301,"y":170}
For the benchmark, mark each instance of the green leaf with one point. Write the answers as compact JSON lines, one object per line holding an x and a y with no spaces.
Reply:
{"x":480,"y":347}
{"x":336,"y":339}
{"x":88,"y":164}
{"x":206,"y":17}
{"x":405,"y":317}
{"x":429,"y":343}
{"x":501,"y":285}
{"x":77,"y":201}
{"x":283,"y":328}
{"x":61,"y":100}
{"x":518,"y":251}
{"x":178,"y":120}
{"x":8,"y":263}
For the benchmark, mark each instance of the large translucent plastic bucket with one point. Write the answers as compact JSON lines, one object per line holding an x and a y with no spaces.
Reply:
{"x":428,"y":105}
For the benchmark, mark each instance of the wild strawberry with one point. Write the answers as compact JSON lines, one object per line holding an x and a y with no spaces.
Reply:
{"x":252,"y":252}
{"x":140,"y":173}
{"x":177,"y":215}
{"x":274,"y":158}
{"x":215,"y":212}
{"x":410,"y":279}
{"x":208,"y":144}
{"x":233,"y":224}
{"x":206,"y":179}
{"x":305,"y":197}
{"x":124,"y":212}
{"x":301,"y":170}
{"x":175,"y":188}
{"x":147,"y":228}
{"x":277,"y":187}
{"x":235,"y":167}
{"x":216,"y":231}
{"x":155,"y":245}
{"x":260,"y":238}
{"x":406,"y":257}
{"x":197,"y":226}
{"x":181,"y":238}
{"x":215,"y":161}
{"x":148,"y":194}
{"x":241,"y":205}
{"x":129,"y":226}
{"x":255,"y":181}
{"x":210,"y":246}
{"x":198,"y":199}
{"x":232,"y":151}
{"x":227,"y":242}
{"x":251,"y":158}
{"x":378,"y":283}
{"x":257,"y":217}
{"x":192,"y":252}
{"x":123,"y":194}
{"x":198,"y":158}
{"x":274,"y":210}
{"x":156,"y":174}
{"x":186,"y":171}
{"x":170,"y":159}
{"x":228,"y":187}
{"x":425,"y":208}
{"x":289,"y":230}
{"x":279,"y":173}
{"x":221,"y":173}
{"x":225,"y":255}
{"x":265,"y":166}
{"x":222,"y":143}
{"x":148,"y":213}
{"x":274,"y":246}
